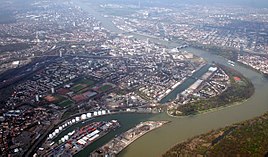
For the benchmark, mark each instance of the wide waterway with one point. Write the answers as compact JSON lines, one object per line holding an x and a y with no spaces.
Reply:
{"x":158,"y":141}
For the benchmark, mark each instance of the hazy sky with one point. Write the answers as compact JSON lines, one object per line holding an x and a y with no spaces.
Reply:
{"x":252,"y":3}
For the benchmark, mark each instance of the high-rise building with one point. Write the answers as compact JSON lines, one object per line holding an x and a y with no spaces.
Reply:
{"x":52,"y":90}
{"x":37,"y":98}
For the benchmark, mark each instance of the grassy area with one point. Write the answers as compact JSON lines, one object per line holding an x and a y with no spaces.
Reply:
{"x":59,"y":98}
{"x":83,"y":90}
{"x":238,"y":91}
{"x":78,"y":87}
{"x":65,"y":103}
{"x":248,"y":138}
{"x":104,"y":88}
{"x":66,"y":114}
{"x":82,"y":84}
{"x":69,"y":112}
{"x":86,"y":81}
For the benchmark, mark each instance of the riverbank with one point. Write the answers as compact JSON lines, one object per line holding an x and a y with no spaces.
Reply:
{"x":240,"y":90}
{"x":247,"y":138}
{"x":210,"y":110}
{"x":227,"y":53}
{"x":72,"y":126}
{"x":76,"y":119}
{"x":119,"y":143}
{"x":250,"y":67}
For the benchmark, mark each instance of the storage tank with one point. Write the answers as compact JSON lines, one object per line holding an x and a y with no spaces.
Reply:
{"x":73,"y":120}
{"x":62,"y":139}
{"x":84,"y":116}
{"x":95,"y":113}
{"x":77,"y":119}
{"x":57,"y":131}
{"x":66,"y":137}
{"x":88,"y":115}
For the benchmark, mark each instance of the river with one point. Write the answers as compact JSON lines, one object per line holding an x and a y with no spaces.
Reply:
{"x":158,"y":141}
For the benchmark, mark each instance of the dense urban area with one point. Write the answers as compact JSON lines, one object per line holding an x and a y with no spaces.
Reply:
{"x":238,"y":30}
{"x":59,"y":66}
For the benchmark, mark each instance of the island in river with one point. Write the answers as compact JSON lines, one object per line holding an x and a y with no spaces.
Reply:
{"x":248,"y":138}
{"x":237,"y":89}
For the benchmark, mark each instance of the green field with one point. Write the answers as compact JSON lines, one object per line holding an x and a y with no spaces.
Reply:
{"x":81,"y":84}
{"x":66,"y":114}
{"x":69,"y":112}
{"x":83,"y":90}
{"x":65,"y":103}
{"x":78,"y":87}
{"x":86,"y":81}
{"x":59,"y":98}
{"x":104,"y":88}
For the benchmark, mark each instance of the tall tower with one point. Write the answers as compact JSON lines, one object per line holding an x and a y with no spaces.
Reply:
{"x":37,"y":98}
{"x":127,"y":102}
{"x":37,"y":37}
{"x":52,"y":90}
{"x":148,"y":50}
